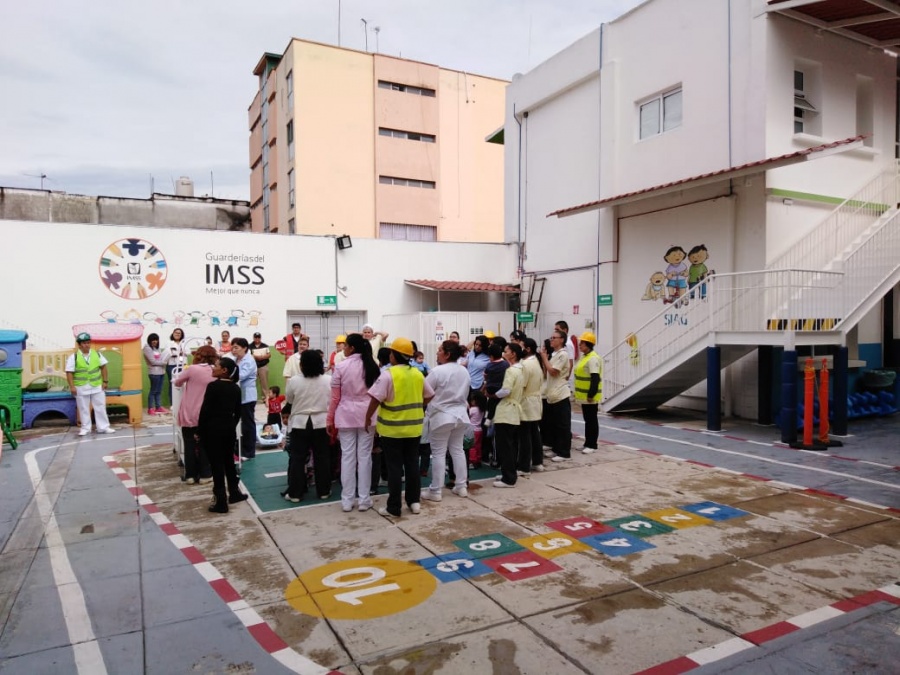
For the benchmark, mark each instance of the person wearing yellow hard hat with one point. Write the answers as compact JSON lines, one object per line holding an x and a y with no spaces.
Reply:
{"x":399,"y":395}
{"x":588,"y":388}
{"x":88,"y":379}
{"x":338,"y":354}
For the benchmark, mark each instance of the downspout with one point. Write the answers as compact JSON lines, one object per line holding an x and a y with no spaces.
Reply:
{"x":727,"y":384}
{"x":595,"y":313}
{"x":519,"y":198}
{"x":730,"y":159}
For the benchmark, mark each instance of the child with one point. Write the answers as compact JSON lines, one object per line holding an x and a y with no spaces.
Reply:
{"x":274,"y":401}
{"x":420,"y":363}
{"x":268,"y":432}
{"x":219,"y":415}
{"x":477,"y":408}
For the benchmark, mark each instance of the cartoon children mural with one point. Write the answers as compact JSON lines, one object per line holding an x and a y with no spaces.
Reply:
{"x":676,"y":274}
{"x":673,"y":285}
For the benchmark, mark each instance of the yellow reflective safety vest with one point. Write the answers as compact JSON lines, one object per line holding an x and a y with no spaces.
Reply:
{"x":403,"y":417}
{"x":583,"y":376}
{"x":87,"y":369}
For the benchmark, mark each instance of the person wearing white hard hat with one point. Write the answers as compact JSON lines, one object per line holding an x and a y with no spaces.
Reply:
{"x":588,"y":388}
{"x":88,"y":380}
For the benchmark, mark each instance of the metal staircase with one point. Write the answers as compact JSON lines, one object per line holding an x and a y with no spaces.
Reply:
{"x":819,"y":288}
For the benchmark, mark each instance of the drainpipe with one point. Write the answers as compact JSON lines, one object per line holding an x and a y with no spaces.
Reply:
{"x":519,"y":196}
{"x":595,"y":313}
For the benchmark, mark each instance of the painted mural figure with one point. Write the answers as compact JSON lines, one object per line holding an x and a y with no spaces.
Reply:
{"x":698,"y":270}
{"x":656,"y":289}
{"x":676,"y":273}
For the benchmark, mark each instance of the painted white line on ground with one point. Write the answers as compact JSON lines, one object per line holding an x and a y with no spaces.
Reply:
{"x":208,"y":571}
{"x":248,"y":616}
{"x":159,"y":518}
{"x":277,"y":474}
{"x":815,"y":616}
{"x":803,"y":467}
{"x":88,"y":657}
{"x":299,"y":663}
{"x":720,"y":651}
{"x":180,"y":541}
{"x":891,"y":589}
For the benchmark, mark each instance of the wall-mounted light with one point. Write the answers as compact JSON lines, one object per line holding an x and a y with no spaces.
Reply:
{"x":344,"y":242}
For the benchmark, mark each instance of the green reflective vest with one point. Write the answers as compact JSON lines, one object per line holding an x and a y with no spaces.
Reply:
{"x":403,"y":417}
{"x":87,"y":369}
{"x":583,"y":377}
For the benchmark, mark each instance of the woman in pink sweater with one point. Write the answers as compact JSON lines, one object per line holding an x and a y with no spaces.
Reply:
{"x":347,"y":416}
{"x":193,"y":381}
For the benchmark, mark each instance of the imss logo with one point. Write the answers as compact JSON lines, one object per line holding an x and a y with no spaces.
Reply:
{"x":133,"y":268}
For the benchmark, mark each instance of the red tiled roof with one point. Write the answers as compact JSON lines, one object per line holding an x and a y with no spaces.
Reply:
{"x":731,"y":172}
{"x":478,"y":286}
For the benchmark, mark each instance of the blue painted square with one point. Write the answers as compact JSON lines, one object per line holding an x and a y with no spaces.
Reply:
{"x":454,"y":567}
{"x":714,"y":511}
{"x":615,"y":544}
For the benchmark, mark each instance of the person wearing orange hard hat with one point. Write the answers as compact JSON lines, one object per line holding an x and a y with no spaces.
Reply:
{"x":589,"y":388}
{"x":338,"y":354}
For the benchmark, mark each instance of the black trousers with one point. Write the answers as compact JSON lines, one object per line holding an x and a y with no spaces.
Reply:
{"x":591,"y":424}
{"x":220,"y":449}
{"x":402,"y":458}
{"x":530,"y":449}
{"x":560,"y":423}
{"x":304,"y":442}
{"x":248,"y":430}
{"x":506,"y":436}
{"x":196,"y":461}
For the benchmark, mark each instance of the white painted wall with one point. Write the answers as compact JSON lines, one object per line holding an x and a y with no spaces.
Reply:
{"x":62,"y":286}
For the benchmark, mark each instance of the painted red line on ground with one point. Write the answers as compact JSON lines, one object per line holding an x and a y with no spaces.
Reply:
{"x":151,"y":508}
{"x":891,"y":508}
{"x":824,"y":493}
{"x":135,"y":491}
{"x":694,"y":461}
{"x":680,"y":665}
{"x":169,"y":528}
{"x":266,"y":637}
{"x":755,"y":477}
{"x":225,"y":590}
{"x":734,"y":438}
{"x":192,"y":554}
{"x":769,"y":633}
{"x":649,"y":452}
{"x":123,"y":476}
{"x":846,"y":459}
{"x":696,"y":431}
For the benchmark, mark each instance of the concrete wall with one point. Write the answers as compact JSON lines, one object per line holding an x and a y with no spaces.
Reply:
{"x":202,"y":213}
{"x":259,"y":279}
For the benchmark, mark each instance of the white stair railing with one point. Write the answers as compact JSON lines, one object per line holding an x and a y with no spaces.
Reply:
{"x":848,"y":221}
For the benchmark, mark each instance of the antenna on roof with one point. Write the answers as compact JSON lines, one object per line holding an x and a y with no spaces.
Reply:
{"x":40,"y":175}
{"x":366,"y":31}
{"x":377,"y":30}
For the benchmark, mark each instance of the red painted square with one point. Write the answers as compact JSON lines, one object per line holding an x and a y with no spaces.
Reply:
{"x":266,"y":637}
{"x":521,"y":565}
{"x":169,"y":528}
{"x":225,"y":590}
{"x":151,"y":508}
{"x":193,"y":555}
{"x":769,"y":633}
{"x":579,"y":526}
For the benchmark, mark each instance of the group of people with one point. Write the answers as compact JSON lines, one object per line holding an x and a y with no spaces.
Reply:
{"x":515,"y":392}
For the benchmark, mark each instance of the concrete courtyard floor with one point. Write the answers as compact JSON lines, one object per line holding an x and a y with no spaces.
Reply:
{"x":667,"y":550}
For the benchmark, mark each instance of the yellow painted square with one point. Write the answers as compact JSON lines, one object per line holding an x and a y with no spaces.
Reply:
{"x":552,"y":544}
{"x":677,"y":518}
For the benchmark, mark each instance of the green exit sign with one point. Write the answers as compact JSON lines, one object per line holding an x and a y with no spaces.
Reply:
{"x":604,"y":300}
{"x":525,"y":317}
{"x":326,"y":300}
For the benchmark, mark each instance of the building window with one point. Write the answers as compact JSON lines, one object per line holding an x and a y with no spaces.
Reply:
{"x":290,"y":139}
{"x":660,"y":114}
{"x":292,"y":226}
{"x":289,"y":85}
{"x":402,"y":232}
{"x":408,"y":182}
{"x":409,"y":89}
{"x":291,"y":189}
{"x":408,"y":135}
{"x":807,"y":85}
{"x":865,"y":109}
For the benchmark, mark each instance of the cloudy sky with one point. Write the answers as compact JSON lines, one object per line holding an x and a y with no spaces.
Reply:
{"x":100,"y":95}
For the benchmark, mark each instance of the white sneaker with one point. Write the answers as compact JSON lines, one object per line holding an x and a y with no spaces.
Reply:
{"x":363,"y":507}
{"x":537,"y":468}
{"x":557,"y":458}
{"x":549,"y":453}
{"x":84,"y":432}
{"x":384,"y":512}
{"x":430,"y":496}
{"x":588,"y":451}
{"x":415,"y":507}
{"x":524,"y":474}
{"x":461,"y":491}
{"x":501,"y":484}
{"x":346,"y":508}
{"x":107,"y":430}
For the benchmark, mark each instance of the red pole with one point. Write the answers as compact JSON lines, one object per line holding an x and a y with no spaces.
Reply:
{"x":823,"y":403}
{"x":809,"y":385}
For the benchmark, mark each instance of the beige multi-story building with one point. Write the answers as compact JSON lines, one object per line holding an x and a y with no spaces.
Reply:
{"x":344,"y":142}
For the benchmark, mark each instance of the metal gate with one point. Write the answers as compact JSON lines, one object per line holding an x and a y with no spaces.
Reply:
{"x":323,"y":327}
